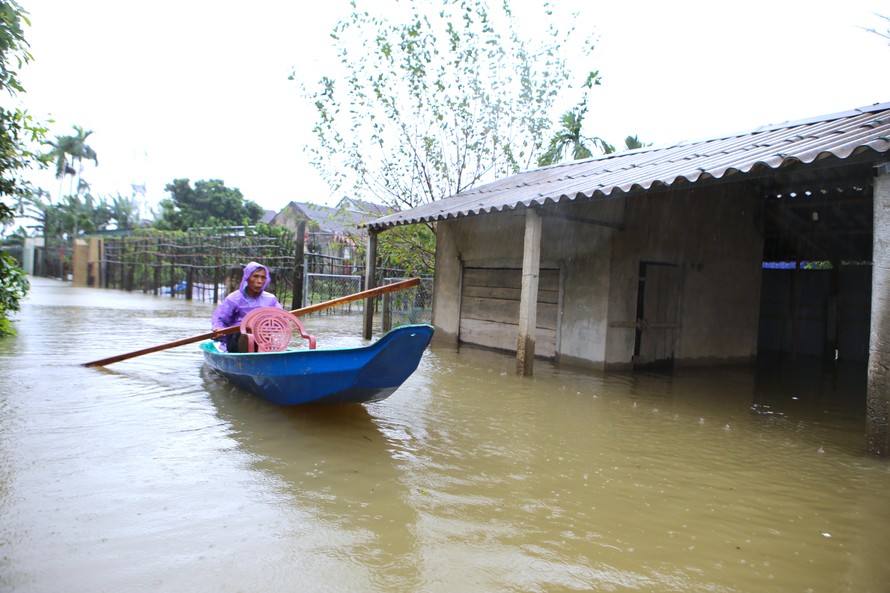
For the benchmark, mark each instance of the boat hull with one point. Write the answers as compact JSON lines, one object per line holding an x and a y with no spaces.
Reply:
{"x":326,"y":376}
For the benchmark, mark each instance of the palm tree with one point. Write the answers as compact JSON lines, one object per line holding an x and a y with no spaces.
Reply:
{"x":569,"y":140}
{"x":634,"y":142}
{"x":61,"y":149}
{"x":47,"y":217}
{"x":124,"y":211}
{"x":82,"y":151}
{"x":86,"y":214}
{"x":68,"y":152}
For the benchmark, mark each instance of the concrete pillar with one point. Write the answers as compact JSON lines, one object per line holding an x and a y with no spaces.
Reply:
{"x":94,"y":262}
{"x":370,"y":282}
{"x":447,"y":283}
{"x":30,"y":247}
{"x":528,"y":300}
{"x":79,"y":259}
{"x":876,"y":419}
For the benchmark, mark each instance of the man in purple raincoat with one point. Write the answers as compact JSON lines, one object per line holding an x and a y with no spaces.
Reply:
{"x":251,"y":295}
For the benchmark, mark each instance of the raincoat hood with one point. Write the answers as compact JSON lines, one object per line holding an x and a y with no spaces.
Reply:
{"x":238,"y":303}
{"x":249,"y":269}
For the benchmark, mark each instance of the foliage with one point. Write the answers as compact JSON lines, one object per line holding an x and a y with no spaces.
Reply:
{"x":68,"y":153}
{"x":409,"y":248}
{"x":634,"y":142}
{"x":76,"y":214}
{"x":569,"y":141}
{"x":47,"y":217}
{"x":16,"y":237}
{"x":123,"y":211}
{"x":18,"y":133}
{"x":18,"y":130}
{"x":84,"y":214}
{"x":264,"y":230}
{"x":436,"y":102}
{"x":13,"y":288}
{"x":207,"y":204}
{"x":78,"y":211}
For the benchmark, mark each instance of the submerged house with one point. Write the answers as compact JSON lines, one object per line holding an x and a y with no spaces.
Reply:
{"x":699,"y":253}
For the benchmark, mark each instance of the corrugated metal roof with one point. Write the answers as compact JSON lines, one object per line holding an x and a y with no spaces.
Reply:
{"x":838,"y":135}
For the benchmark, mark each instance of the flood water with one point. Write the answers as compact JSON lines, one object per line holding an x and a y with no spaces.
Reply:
{"x":154,"y":474}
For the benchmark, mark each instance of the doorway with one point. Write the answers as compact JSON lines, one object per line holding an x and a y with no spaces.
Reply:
{"x":657,"y":315}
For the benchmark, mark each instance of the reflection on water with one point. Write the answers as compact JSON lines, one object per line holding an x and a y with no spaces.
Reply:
{"x":156,"y":474}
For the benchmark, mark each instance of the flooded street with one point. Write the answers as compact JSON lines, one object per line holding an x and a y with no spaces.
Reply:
{"x":155,"y":474}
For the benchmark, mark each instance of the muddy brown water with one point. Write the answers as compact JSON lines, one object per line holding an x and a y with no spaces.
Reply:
{"x":154,"y":474}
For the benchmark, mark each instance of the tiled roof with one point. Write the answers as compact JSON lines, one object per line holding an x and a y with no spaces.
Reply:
{"x":838,"y":135}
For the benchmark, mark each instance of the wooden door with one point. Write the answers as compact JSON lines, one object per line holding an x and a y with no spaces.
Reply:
{"x":658,"y":314}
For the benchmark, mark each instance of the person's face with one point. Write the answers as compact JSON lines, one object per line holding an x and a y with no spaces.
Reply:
{"x":256,"y":281}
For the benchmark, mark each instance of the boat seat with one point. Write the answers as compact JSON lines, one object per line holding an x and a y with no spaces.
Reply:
{"x":270,"y":329}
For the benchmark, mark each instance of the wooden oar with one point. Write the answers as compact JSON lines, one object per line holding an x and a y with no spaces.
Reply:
{"x":365,"y":294}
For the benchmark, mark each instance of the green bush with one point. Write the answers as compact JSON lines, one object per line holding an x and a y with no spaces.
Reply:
{"x":13,"y":288}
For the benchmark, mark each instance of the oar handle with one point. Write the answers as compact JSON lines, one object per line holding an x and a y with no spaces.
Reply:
{"x":365,"y":294}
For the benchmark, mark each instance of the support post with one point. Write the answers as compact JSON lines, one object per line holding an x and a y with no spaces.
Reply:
{"x":370,"y":282}
{"x":299,"y":257}
{"x":528,"y":301}
{"x":876,"y":419}
{"x":386,"y":322}
{"x":215,"y":284}
{"x":189,"y":282}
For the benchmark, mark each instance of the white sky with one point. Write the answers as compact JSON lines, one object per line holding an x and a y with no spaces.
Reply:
{"x":199,"y":88}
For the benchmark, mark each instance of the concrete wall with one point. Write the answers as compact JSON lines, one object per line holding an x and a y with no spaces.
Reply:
{"x":578,"y":246}
{"x":582,"y":246}
{"x":711,"y":235}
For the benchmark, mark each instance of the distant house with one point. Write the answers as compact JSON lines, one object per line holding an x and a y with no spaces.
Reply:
{"x":331,"y":231}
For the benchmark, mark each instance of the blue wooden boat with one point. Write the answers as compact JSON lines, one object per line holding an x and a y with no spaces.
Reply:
{"x":325,"y":376}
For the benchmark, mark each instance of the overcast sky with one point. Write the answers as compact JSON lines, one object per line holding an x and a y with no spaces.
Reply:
{"x":199,"y":89}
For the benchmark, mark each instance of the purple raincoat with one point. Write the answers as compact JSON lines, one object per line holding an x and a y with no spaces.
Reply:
{"x":238,"y":304}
